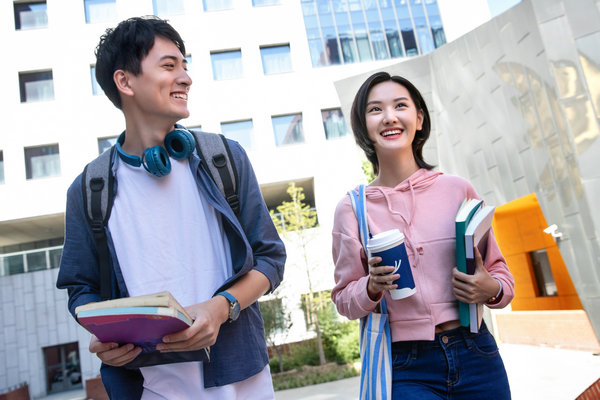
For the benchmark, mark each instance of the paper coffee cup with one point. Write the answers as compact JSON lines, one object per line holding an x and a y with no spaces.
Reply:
{"x":389,"y":245}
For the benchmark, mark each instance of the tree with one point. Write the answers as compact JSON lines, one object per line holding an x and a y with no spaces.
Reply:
{"x":295,"y":219}
{"x":276,"y":321}
{"x":367,"y":168}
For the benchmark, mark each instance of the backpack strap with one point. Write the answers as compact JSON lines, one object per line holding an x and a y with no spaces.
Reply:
{"x":98,"y":198}
{"x":214,"y":151}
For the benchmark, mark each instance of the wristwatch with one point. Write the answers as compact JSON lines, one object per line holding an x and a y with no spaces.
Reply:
{"x":234,"y":306}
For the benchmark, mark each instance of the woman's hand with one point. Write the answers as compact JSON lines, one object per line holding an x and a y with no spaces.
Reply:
{"x":476,"y":288}
{"x":113,"y":354}
{"x":379,"y":278}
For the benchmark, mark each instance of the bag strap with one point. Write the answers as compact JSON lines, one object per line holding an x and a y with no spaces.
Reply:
{"x":214,"y":151}
{"x":359,"y":204}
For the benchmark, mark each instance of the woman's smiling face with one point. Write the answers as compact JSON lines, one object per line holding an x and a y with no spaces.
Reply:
{"x":392,"y":118}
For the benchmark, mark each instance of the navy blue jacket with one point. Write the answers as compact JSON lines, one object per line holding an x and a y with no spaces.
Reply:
{"x":240,"y":350}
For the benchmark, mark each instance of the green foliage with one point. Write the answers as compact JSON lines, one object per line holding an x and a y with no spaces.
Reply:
{"x":367,"y":168}
{"x":276,"y":321}
{"x":313,"y":375}
{"x":340,"y":338}
{"x":275,"y":318}
{"x":302,"y":354}
{"x":296,"y":214}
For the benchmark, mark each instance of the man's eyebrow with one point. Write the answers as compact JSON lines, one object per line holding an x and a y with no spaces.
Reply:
{"x":174,"y":58}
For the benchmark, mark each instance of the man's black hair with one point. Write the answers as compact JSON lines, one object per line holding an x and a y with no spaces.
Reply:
{"x":125,"y":46}
{"x":358,"y":119}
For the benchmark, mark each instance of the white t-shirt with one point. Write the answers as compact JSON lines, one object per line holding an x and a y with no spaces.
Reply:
{"x":168,"y":237}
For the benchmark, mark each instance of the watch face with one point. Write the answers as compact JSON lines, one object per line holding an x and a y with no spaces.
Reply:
{"x":234,"y":311}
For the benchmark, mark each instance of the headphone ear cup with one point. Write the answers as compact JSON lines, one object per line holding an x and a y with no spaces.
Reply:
{"x":156,"y":161}
{"x":180,"y":144}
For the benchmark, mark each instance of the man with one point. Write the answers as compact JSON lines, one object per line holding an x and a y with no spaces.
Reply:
{"x":171,"y":229}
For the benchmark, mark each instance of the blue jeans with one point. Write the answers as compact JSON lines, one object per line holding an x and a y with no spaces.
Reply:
{"x":456,"y":365}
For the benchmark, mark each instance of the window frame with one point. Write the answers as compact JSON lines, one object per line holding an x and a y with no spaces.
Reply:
{"x":25,"y":77}
{"x":215,"y":54}
{"x":29,"y":170}
{"x":280,"y":143}
{"x":17,"y":14}
{"x":267,"y":48}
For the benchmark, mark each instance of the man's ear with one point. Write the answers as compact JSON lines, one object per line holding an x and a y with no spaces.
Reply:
{"x":121,"y":79}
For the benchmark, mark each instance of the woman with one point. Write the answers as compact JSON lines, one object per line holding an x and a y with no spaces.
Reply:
{"x":433,"y":356}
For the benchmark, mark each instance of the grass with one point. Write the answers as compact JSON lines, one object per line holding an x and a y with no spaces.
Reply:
{"x":311,"y":375}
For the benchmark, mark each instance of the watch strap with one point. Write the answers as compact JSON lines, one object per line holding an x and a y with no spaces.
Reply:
{"x":228,"y":296}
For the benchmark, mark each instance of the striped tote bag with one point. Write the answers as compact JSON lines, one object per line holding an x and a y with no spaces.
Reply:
{"x":375,"y":336}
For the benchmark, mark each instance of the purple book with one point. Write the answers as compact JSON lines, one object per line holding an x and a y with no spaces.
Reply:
{"x":143,"y":326}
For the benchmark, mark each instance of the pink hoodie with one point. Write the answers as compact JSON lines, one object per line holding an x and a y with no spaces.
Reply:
{"x":423,"y":207}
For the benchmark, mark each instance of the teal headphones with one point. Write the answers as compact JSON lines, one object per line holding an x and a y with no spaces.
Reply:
{"x":178,"y":144}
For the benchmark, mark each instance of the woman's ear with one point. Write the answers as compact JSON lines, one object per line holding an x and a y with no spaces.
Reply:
{"x":121,"y":79}
{"x":420,"y":118}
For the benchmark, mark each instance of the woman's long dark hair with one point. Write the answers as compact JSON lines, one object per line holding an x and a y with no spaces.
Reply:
{"x":359,"y":123}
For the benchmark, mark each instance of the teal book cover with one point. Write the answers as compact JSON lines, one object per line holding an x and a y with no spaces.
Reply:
{"x":463,"y":216}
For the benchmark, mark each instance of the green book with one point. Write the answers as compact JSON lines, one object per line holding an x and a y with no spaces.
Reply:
{"x":464,"y":214}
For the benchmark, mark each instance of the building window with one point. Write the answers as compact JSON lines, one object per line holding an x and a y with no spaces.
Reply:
{"x":42,"y":161}
{"x":188,"y":64}
{"x":100,"y":11}
{"x":321,"y":303}
{"x":406,"y":28}
{"x":435,"y":22}
{"x":227,"y":65}
{"x":240,"y":131}
{"x":30,"y":257}
{"x":421,"y":27}
{"x":96,"y":89}
{"x":273,"y":312}
{"x":256,"y":3}
{"x":36,"y":86}
{"x":543,"y":273}
{"x":31,"y":15}
{"x":106,"y":143}
{"x":288,"y":129}
{"x":63,"y":369}
{"x":168,"y":7}
{"x":347,"y":31}
{"x":216,"y":5}
{"x":1,"y":167}
{"x":276,"y":59}
{"x":334,"y":123}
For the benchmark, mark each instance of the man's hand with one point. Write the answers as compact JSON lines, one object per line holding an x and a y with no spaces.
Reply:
{"x":208,"y":317}
{"x":476,"y":288}
{"x":113,"y":354}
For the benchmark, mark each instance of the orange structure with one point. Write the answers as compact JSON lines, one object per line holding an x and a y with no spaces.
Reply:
{"x":546,"y":309}
{"x":519,"y":228}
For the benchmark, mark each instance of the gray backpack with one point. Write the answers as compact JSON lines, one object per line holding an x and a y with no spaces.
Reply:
{"x":97,"y":184}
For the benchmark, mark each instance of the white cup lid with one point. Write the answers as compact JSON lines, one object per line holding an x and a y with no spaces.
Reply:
{"x":385,"y":239}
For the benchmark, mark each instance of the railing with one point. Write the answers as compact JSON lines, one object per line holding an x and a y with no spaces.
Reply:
{"x":30,"y":261}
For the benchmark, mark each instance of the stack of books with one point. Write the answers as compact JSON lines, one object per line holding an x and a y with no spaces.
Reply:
{"x":141,"y":320}
{"x":473,"y":224}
